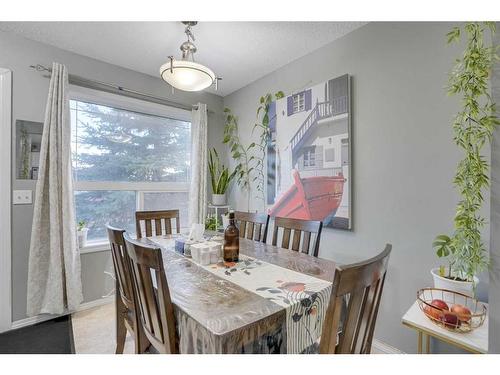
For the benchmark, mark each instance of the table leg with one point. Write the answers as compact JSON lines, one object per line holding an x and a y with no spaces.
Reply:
{"x":419,"y":349}
{"x":427,"y":344}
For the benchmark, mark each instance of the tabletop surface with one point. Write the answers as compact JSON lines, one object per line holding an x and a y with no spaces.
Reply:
{"x":223,"y":307}
{"x":476,"y":340}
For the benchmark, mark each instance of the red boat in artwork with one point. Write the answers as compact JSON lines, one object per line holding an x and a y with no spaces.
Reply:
{"x":311,"y":198}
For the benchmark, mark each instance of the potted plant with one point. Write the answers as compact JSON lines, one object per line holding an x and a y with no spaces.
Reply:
{"x":82,"y":231}
{"x":473,"y":128}
{"x":211,"y":223}
{"x":220,"y":178}
{"x":451,"y":277}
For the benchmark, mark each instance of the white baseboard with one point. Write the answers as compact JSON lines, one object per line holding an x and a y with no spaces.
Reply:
{"x":31,"y":320}
{"x":384,"y":348}
{"x":96,"y":303}
{"x":42,"y":318}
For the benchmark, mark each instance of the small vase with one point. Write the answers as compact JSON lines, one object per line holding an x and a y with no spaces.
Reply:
{"x":464,"y":287}
{"x":218,"y":199}
{"x":82,"y":237}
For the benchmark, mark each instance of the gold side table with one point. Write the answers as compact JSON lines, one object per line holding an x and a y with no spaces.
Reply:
{"x":475,"y":341}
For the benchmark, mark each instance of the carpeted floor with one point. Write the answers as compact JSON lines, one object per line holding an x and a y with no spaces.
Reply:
{"x":51,"y":337}
{"x":94,"y":331}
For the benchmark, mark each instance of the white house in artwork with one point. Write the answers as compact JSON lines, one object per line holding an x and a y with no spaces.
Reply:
{"x":310,"y":136}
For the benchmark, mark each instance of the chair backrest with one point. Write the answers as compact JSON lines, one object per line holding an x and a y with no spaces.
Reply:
{"x":252,"y":225}
{"x":162,"y":221}
{"x":299,"y":227}
{"x":153,"y":296}
{"x":121,"y":264}
{"x":361,"y":284}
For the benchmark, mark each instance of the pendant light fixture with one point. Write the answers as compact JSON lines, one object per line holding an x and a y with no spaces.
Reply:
{"x":186,"y":74}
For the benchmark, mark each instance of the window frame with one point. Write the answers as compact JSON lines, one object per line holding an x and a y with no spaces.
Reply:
{"x":309,"y":157}
{"x":128,"y":104}
{"x":299,"y":99}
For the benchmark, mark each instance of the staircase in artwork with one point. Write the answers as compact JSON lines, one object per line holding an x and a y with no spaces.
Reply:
{"x":321,"y":111}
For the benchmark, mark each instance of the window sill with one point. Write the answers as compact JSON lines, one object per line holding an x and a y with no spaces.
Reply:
{"x":95,"y":247}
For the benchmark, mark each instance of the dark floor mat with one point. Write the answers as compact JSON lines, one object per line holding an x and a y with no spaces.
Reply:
{"x":51,"y":337}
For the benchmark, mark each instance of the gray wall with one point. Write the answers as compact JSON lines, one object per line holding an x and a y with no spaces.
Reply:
{"x":404,"y":157}
{"x":494,"y":314}
{"x":29,"y":98}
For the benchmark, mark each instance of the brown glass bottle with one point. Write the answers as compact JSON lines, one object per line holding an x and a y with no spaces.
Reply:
{"x":231,"y":241}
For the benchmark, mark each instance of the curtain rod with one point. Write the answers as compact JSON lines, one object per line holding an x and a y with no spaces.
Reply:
{"x":115,"y":89}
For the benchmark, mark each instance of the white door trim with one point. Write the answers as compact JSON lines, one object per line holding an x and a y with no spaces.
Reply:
{"x":5,"y":198}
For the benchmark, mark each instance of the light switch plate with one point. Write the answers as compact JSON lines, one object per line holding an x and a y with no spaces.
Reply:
{"x":22,"y":197}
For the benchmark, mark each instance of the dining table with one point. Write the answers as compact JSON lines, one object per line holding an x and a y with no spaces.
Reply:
{"x":273,"y":300}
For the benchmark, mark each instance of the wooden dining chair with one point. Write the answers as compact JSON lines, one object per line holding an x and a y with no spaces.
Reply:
{"x":156,"y":312}
{"x":252,"y":225}
{"x":161,"y":221}
{"x":361,"y":284}
{"x":125,"y":301}
{"x":298,"y":226}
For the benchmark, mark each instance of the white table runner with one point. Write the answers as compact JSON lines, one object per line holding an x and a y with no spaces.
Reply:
{"x":304,"y":297}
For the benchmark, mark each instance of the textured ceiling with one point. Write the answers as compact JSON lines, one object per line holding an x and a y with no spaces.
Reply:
{"x":240,"y":52}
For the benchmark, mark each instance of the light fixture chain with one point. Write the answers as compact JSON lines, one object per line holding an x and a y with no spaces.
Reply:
{"x":189,"y":33}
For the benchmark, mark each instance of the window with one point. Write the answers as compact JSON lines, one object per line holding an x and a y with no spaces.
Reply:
{"x":309,"y":157}
{"x":299,"y":102}
{"x":330,"y":154}
{"x":124,"y":160}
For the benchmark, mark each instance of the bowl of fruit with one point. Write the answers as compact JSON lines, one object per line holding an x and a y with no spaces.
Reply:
{"x":451,"y":310}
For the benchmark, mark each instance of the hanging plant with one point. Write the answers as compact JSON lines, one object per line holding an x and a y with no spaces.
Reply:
{"x":250,"y":159}
{"x":473,"y":128}
{"x":239,"y":153}
{"x":262,"y":124}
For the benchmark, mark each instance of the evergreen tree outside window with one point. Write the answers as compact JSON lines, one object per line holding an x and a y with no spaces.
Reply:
{"x":124,"y":160}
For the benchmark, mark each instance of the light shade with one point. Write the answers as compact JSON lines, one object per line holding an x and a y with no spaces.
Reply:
{"x":187,"y":75}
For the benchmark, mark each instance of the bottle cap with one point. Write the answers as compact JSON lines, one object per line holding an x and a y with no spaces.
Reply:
{"x":231,"y":214}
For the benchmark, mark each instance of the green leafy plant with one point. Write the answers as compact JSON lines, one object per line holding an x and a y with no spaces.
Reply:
{"x":250,"y":159}
{"x":211,"y":223}
{"x":262,"y":124}
{"x":219,"y":173}
{"x":473,"y":128}
{"x":239,"y":153}
{"x":81,"y":225}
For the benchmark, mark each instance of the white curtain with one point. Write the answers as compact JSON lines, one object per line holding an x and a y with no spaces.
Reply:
{"x":54,"y":283}
{"x":198,"y":189}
